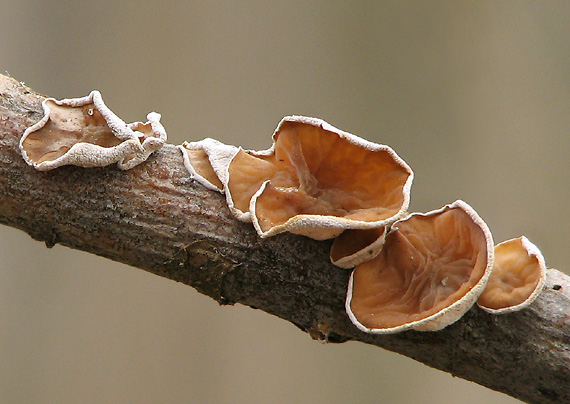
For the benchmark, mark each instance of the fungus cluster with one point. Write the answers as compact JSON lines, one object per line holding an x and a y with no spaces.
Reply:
{"x":301,"y":184}
{"x":418,"y":271}
{"x":422,"y":271}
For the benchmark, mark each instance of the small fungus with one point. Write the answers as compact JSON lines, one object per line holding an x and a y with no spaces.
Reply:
{"x":354,"y":247}
{"x":431,"y":270}
{"x":317,"y":180}
{"x":85,"y":132}
{"x":207,"y":161}
{"x":518,"y":276}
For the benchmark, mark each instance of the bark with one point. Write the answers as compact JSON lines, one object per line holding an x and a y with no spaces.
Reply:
{"x":155,"y":218}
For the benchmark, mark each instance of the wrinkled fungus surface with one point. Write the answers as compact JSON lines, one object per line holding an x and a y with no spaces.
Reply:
{"x":517,"y":278}
{"x":429,"y":273}
{"x":317,"y":180}
{"x":85,"y":132}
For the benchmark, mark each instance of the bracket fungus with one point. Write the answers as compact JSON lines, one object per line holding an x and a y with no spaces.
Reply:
{"x":316,"y":180}
{"x":85,"y":132}
{"x":421,"y":272}
{"x":518,"y":276}
{"x":207,"y":161}
{"x":354,"y":247}
{"x":431,"y":270}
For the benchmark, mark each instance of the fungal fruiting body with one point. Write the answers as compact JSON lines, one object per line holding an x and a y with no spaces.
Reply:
{"x":518,"y":276}
{"x":311,"y":191}
{"x":85,"y":132}
{"x":302,"y":184}
{"x":431,"y":270}
{"x":207,"y":161}
{"x":354,"y":247}
{"x":422,"y":272}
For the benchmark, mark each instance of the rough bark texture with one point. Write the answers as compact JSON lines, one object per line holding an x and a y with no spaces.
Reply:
{"x":155,"y":218}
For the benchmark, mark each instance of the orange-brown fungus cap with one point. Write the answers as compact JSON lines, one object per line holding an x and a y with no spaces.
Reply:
{"x":66,"y":127}
{"x":517,"y":278}
{"x":430,"y":271}
{"x":199,"y":160}
{"x":85,"y":132}
{"x":207,"y":161}
{"x":317,"y":181}
{"x":353,"y":247}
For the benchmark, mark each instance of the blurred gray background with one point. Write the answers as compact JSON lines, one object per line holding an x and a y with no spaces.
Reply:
{"x":475,"y":96}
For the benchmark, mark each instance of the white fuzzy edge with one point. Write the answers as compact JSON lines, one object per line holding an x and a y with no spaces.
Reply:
{"x":455,"y":311}
{"x":308,"y":224}
{"x":149,"y":145}
{"x":184,"y":147}
{"x":329,"y":224}
{"x":90,"y":155}
{"x":365,"y":254}
{"x":532,"y":250}
{"x":159,"y":137}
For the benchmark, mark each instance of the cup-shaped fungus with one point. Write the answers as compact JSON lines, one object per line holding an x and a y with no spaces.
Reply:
{"x":518,"y":276}
{"x":207,"y":161}
{"x":353,"y":247}
{"x":317,"y":180}
{"x":431,"y":270}
{"x":85,"y":132}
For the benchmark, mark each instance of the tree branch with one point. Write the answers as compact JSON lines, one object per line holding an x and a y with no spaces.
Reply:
{"x":155,"y":218}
